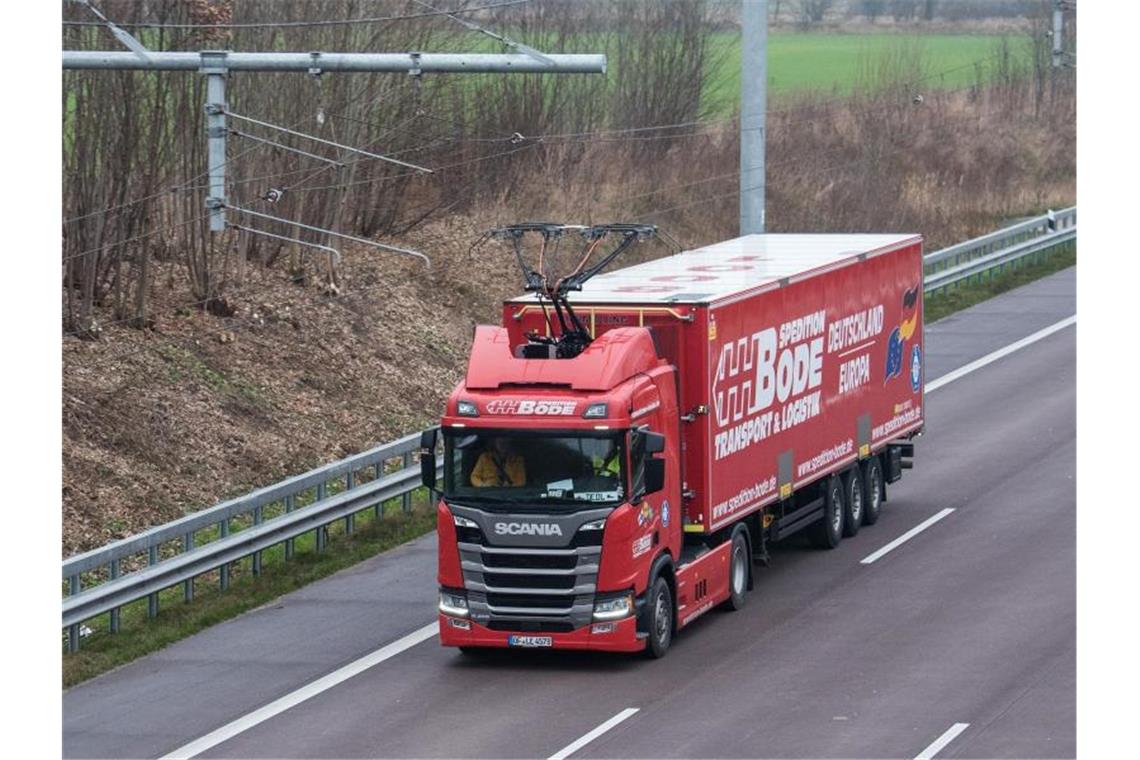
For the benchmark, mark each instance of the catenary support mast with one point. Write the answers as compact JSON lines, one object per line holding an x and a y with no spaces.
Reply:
{"x":753,"y":107}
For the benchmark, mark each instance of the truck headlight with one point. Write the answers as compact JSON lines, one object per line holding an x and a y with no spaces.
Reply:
{"x":453,"y":604}
{"x":463,"y":522}
{"x":614,"y":607}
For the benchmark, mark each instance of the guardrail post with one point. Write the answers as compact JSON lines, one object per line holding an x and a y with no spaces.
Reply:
{"x":379,"y":508}
{"x":406,"y":499}
{"x":73,"y":630}
{"x":152,"y":599}
{"x":188,"y":585}
{"x":349,"y":520}
{"x":288,"y":541}
{"x":257,"y":517}
{"x":321,"y":533}
{"x":224,"y":570}
{"x":114,"y":572}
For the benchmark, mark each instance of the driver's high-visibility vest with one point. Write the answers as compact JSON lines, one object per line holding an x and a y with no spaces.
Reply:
{"x":489,"y":472}
{"x":610,"y":466}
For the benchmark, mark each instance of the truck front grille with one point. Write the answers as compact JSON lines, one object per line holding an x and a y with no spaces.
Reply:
{"x":519,"y":580}
{"x":529,"y":589}
{"x":536,"y":562}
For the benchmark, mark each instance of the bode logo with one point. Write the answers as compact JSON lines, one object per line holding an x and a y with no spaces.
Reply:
{"x":530,"y":406}
{"x":771,"y":366}
{"x":527,"y":529}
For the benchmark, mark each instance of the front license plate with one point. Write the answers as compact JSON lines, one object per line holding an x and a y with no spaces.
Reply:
{"x":530,"y":641}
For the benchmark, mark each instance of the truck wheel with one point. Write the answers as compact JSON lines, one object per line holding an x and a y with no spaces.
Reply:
{"x":827,"y":532}
{"x":660,"y":619}
{"x":872,"y":490}
{"x":737,"y":573}
{"x":853,"y":501}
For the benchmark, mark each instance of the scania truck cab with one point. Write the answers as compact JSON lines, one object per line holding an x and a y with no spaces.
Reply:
{"x":563,"y":551}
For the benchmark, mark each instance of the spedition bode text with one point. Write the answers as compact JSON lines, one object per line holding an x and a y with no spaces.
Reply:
{"x":775,"y":365}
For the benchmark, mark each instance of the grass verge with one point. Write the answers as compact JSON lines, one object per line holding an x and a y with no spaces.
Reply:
{"x":101,"y":650}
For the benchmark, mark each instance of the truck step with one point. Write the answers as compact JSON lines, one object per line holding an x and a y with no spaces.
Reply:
{"x":798,"y":520}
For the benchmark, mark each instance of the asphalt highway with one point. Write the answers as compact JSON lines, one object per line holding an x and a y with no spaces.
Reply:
{"x":958,"y":642}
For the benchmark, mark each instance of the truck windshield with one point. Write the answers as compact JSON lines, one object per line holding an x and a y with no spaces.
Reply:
{"x":513,"y":468}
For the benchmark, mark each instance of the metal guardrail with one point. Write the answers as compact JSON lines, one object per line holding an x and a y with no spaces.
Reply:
{"x":179,"y":552}
{"x":991,"y":253}
{"x":182,"y":550}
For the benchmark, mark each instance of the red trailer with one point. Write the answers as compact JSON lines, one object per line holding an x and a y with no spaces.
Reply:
{"x":605,"y":494}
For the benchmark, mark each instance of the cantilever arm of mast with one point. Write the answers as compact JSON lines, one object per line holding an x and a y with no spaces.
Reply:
{"x":322,"y":141}
{"x":538,"y":56}
{"x":334,"y":254}
{"x":400,"y":63}
{"x":373,"y":243}
{"x":282,"y":146}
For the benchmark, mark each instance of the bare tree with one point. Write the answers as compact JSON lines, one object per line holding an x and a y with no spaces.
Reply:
{"x":872,"y":9}
{"x":812,"y":12}
{"x":904,"y":10}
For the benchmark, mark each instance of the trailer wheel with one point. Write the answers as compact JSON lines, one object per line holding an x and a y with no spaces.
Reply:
{"x":737,"y":572}
{"x":853,"y":501}
{"x":827,"y":531}
{"x":660,"y":619}
{"x":872,"y":490}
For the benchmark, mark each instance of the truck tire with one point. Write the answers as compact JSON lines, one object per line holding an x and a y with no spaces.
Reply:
{"x":738,"y":563}
{"x":825,"y":534}
{"x":854,"y":501}
{"x":872,"y":490}
{"x":660,"y":619}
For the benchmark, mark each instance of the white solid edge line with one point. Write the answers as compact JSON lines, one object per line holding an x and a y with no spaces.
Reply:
{"x":308,"y":691}
{"x":906,"y":536}
{"x":942,"y":741}
{"x":574,"y":746}
{"x":950,"y":377}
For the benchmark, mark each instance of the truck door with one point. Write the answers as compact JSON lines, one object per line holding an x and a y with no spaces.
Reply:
{"x":658,"y":399}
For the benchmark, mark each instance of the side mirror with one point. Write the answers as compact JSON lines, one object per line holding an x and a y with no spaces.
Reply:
{"x":654,"y":443}
{"x":648,"y":471}
{"x":654,"y":475}
{"x":427,"y":458}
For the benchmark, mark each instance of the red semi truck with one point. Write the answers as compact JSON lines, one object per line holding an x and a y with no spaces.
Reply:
{"x":612,"y":474}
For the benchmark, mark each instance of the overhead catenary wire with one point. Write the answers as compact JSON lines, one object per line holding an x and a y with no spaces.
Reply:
{"x":298,"y":24}
{"x":322,"y":141}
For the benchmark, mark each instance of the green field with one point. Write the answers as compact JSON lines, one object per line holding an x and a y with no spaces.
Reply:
{"x":832,"y":63}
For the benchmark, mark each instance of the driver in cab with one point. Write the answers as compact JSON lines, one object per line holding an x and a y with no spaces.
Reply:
{"x":499,"y":465}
